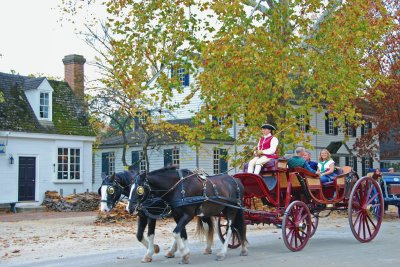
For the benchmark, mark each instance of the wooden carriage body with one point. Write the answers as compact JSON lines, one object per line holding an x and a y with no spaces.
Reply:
{"x":292,"y":199}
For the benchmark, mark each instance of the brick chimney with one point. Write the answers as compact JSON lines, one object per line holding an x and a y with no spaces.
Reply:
{"x":74,"y":73}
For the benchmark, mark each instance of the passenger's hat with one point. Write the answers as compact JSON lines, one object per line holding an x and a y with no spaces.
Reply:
{"x":268,"y":126}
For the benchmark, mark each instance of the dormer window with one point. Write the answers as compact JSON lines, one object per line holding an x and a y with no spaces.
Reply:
{"x":183,"y":75}
{"x":44,"y":106}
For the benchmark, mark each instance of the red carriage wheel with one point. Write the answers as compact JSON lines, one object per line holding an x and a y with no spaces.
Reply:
{"x":365,"y":209}
{"x":314,"y":223}
{"x":223,"y":230}
{"x":296,"y":226}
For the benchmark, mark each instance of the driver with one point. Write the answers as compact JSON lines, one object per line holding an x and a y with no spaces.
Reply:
{"x":266,"y":149}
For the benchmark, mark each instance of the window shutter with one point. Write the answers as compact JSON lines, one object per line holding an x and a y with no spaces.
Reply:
{"x":336,"y":129}
{"x":187,"y":79}
{"x":362,"y":130}
{"x":135,"y":161}
{"x":354,"y":132}
{"x":346,"y":161}
{"x":363,"y":166}
{"x":105,"y":163}
{"x":355,"y":164}
{"x":167,"y":157}
{"x":223,"y":163}
{"x":326,"y":123}
{"x":172,"y":72}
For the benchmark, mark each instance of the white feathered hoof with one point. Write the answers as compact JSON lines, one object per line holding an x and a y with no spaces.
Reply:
{"x":185,"y":259}
{"x":244,"y":253}
{"x":156,"y":249}
{"x":207,"y":251}
{"x":147,"y":259}
{"x":220,"y":257}
{"x":170,"y":254}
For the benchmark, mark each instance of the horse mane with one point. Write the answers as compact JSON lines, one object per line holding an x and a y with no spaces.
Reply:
{"x":125,"y":177}
{"x":170,"y":168}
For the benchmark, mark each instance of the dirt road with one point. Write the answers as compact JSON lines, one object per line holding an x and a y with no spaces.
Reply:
{"x":49,"y":236}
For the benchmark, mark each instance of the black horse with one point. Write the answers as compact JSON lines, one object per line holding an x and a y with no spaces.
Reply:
{"x":188,"y":194}
{"x":111,"y":190}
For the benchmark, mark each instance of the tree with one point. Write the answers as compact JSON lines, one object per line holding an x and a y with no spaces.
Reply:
{"x":125,"y":96}
{"x":262,"y":61}
{"x":382,"y":101}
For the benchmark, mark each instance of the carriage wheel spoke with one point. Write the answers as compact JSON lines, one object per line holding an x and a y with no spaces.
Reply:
{"x":372,"y":198}
{"x":367,"y":224}
{"x":291,"y":235}
{"x":371,"y":221}
{"x":359,"y":223}
{"x":358,"y":213}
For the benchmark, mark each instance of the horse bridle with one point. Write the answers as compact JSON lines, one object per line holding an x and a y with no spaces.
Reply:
{"x":111,"y":190}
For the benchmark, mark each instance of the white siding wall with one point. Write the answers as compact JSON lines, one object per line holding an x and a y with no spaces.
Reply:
{"x":45,"y":152}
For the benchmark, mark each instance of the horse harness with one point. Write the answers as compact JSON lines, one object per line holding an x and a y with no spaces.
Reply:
{"x":154,"y":202}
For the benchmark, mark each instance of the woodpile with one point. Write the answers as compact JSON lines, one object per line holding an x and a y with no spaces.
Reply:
{"x":74,"y":202}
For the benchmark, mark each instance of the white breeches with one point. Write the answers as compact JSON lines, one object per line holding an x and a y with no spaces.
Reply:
{"x":256,"y":163}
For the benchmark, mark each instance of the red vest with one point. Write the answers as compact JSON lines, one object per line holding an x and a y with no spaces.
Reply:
{"x":265,"y":143}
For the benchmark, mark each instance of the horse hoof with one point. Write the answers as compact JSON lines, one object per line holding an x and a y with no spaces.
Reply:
{"x":244,"y":253}
{"x":156,"y":249}
{"x":185,"y":259}
{"x":220,"y":257}
{"x":207,"y":251}
{"x":169,"y":254}
{"x":147,"y":259}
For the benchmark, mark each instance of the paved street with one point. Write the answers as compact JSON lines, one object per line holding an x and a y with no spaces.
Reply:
{"x":329,"y":247}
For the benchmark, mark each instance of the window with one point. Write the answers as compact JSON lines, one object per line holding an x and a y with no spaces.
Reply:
{"x":175,"y":157}
{"x":352,"y":162}
{"x":330,"y":127}
{"x":350,"y":131}
{"x":220,"y":120}
{"x":108,"y":163}
{"x":220,"y":163}
{"x":69,"y":162}
{"x":138,"y":161}
{"x":366,"y":165}
{"x":366,"y":128}
{"x":142,"y":167}
{"x":171,"y":157}
{"x":303,"y":125}
{"x":183,"y":75}
{"x":44,"y":106}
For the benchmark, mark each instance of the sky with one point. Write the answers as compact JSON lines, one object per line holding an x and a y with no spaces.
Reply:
{"x":33,"y":41}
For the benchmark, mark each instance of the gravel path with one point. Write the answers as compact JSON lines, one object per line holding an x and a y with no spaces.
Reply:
{"x":33,"y":237}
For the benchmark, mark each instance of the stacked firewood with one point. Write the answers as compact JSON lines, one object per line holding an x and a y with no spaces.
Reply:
{"x":74,"y":202}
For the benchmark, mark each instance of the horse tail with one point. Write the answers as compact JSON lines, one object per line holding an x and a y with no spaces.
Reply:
{"x":200,"y":231}
{"x":240,"y":226}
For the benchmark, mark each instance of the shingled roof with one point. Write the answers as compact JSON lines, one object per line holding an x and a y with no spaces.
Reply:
{"x":16,"y":114}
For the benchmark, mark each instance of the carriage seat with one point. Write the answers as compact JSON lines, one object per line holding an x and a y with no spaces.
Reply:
{"x":267,"y":167}
{"x":342,"y":171}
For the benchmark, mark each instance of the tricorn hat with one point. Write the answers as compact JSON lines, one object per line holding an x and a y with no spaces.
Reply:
{"x":268,"y":126}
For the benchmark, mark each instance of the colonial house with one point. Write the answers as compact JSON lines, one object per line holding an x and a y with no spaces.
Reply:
{"x":210,"y":156}
{"x":45,"y":136}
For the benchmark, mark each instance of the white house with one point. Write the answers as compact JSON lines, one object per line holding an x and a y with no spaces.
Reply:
{"x":45,"y":137}
{"x":108,"y":156}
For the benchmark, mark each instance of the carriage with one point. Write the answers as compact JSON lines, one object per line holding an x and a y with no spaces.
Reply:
{"x":390,"y":185}
{"x":292,"y":199}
